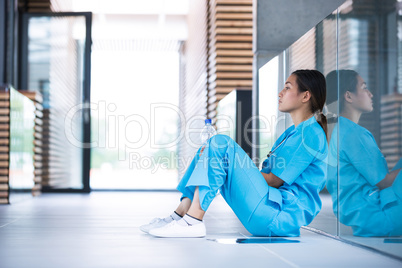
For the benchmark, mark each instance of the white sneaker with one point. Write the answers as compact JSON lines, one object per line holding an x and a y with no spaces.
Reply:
{"x":180,"y":229}
{"x":155,"y":223}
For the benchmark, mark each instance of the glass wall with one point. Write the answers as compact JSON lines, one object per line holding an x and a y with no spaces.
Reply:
{"x":56,"y":61}
{"x":358,"y":48}
{"x":134,"y":136}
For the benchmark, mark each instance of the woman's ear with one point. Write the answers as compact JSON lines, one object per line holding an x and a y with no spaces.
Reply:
{"x":306,"y":96}
{"x":348,"y":97}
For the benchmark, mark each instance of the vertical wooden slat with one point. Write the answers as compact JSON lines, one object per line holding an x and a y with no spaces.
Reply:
{"x":230,"y":55}
{"x":391,"y":128}
{"x":4,"y":147}
{"x":302,"y":54}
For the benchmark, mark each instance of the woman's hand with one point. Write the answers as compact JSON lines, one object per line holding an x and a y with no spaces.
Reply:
{"x":202,"y":149}
{"x":388,"y":180}
{"x":272,"y":180}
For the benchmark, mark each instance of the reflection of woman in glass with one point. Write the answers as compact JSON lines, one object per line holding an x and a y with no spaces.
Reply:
{"x":369,"y":196}
{"x":274,"y":201}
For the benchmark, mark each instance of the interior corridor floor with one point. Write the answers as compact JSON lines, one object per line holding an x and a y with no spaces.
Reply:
{"x":101,"y":229}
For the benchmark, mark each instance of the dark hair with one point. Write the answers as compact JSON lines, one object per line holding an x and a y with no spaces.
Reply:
{"x":347,"y":81}
{"x":314,"y":82}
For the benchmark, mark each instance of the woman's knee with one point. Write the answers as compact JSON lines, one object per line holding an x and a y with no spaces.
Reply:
{"x":220,"y":141}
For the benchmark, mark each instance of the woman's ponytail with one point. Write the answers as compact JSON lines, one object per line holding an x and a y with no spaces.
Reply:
{"x":322,"y":120}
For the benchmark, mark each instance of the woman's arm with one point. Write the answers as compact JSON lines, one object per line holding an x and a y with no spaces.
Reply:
{"x":388,"y":180}
{"x":272,"y":180}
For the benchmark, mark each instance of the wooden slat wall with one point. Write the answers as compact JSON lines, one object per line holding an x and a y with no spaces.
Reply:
{"x":34,"y":5}
{"x":230,"y":55}
{"x":45,"y":5}
{"x":40,"y":123}
{"x":329,"y":46}
{"x":358,"y":50}
{"x":4,"y":146}
{"x":302,"y":54}
{"x":391,"y":128}
{"x":5,"y":142}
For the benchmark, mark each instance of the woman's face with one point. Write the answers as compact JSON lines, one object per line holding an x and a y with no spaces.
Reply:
{"x":289,"y":98}
{"x":362,"y":99}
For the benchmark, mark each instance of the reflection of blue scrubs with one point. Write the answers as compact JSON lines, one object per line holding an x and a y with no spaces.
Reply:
{"x":369,"y":211}
{"x":264,"y":210}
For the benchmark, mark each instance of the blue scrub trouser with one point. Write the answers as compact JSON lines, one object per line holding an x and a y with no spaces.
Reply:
{"x":393,"y":209}
{"x":225,"y":166}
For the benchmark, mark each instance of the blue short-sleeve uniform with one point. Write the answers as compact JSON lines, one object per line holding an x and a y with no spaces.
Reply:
{"x":301,"y":163}
{"x":369,"y":211}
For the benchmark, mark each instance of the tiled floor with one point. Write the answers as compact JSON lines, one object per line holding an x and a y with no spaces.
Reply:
{"x":101,"y":230}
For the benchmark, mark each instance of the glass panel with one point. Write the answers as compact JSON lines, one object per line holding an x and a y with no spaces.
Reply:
{"x":327,"y":31}
{"x":323,"y":51}
{"x":234,"y":115}
{"x":315,"y":50}
{"x":226,"y":118}
{"x":358,"y":48}
{"x":22,"y":122}
{"x":135,"y":119}
{"x":271,"y":121}
{"x":268,"y":106}
{"x":370,"y":125}
{"x":55,"y":69}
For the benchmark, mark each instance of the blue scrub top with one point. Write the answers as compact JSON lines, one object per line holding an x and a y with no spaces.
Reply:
{"x":301,"y":162}
{"x":361,"y":167}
